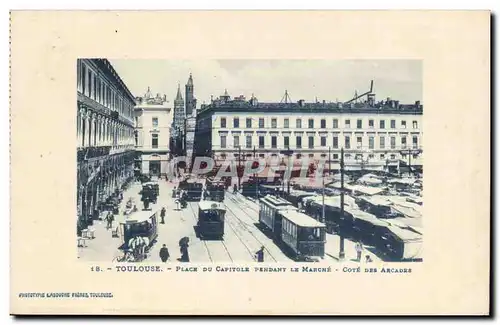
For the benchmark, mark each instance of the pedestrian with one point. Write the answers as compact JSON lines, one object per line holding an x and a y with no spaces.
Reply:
{"x":109,"y":220}
{"x":164,"y":254}
{"x":184,"y":253}
{"x":260,"y":254}
{"x":162,"y":215}
{"x":145,"y":247}
{"x":359,"y":251}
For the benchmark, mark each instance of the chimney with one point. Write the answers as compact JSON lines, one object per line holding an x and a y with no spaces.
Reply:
{"x":417,"y":103}
{"x":324,"y":101}
{"x":396,"y":103}
{"x":301,"y":103}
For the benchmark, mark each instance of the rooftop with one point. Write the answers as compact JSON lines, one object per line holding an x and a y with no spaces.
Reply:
{"x":301,"y":219}
{"x":356,"y":105}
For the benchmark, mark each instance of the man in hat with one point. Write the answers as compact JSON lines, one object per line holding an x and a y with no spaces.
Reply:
{"x":260,"y":254}
{"x":164,"y":254}
{"x":162,"y":215}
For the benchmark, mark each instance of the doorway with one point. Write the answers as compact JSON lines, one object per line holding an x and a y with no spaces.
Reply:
{"x":154,"y":168}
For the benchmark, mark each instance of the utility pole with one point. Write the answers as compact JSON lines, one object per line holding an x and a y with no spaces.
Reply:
{"x":288,"y":153}
{"x":329,"y":161}
{"x":341,"y":252}
{"x":239,"y":167}
{"x":409,"y":163}
{"x":323,"y":210}
{"x":255,"y":175}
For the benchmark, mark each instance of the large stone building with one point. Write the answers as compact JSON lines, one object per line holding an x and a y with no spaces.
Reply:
{"x":375,"y":135}
{"x":190,"y":120}
{"x":184,"y":123}
{"x":190,"y":100}
{"x":153,"y":120}
{"x":178,"y":125}
{"x":105,"y":136}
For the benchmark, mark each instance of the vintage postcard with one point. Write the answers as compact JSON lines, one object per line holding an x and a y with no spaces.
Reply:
{"x":250,"y":163}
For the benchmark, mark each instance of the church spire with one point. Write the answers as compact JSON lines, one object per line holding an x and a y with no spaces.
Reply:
{"x":190,"y":80}
{"x":179,"y":95}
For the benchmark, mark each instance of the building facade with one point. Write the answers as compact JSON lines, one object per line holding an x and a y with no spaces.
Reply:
{"x":153,"y":120}
{"x":373,"y":135}
{"x":105,"y":137}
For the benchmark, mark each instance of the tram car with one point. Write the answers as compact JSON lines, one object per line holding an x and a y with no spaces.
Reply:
{"x":257,"y":186}
{"x":295,"y":197}
{"x":304,"y":236}
{"x":377,"y":205}
{"x":216,"y":189}
{"x":268,"y":217}
{"x":366,"y":227}
{"x":193,"y":187}
{"x":211,"y":216}
{"x":149,"y":192}
{"x":139,"y":224}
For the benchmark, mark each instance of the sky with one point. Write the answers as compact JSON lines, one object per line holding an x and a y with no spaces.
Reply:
{"x":268,"y":79}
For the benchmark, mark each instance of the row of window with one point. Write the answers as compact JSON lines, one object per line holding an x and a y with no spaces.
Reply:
{"x":335,"y":156}
{"x":323,"y":142}
{"x":99,"y":90}
{"x":310,"y":123}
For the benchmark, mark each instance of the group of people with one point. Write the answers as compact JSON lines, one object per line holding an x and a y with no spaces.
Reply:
{"x":165,"y":255}
{"x":138,"y":247}
{"x":180,"y":196}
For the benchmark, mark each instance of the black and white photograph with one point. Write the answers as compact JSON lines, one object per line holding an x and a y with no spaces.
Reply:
{"x":237,"y":161}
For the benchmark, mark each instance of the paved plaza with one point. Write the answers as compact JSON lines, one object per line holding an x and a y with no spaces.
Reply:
{"x":241,"y":240}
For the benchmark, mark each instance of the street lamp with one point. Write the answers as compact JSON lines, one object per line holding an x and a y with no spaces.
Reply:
{"x":288,"y":153}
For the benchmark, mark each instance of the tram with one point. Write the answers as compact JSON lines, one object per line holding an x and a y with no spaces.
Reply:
{"x":193,"y":187}
{"x":304,"y":236}
{"x":142,"y":224}
{"x":296,"y":196}
{"x":215,"y":189}
{"x":268,"y":217}
{"x":211,"y":216}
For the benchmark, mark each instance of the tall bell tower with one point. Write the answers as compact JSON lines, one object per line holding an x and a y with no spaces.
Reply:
{"x":190,"y":100}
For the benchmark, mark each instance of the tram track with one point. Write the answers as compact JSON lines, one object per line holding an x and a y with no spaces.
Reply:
{"x":236,"y":233}
{"x":246,"y":227}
